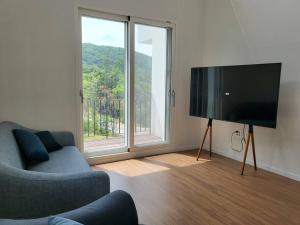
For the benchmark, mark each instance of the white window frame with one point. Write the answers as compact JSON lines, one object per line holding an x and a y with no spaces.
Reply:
{"x":130,"y":40}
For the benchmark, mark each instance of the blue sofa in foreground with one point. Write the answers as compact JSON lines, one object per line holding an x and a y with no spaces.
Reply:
{"x":64,"y":185}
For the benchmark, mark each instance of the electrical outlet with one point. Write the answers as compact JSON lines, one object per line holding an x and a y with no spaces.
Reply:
{"x":236,"y":140}
{"x":237,"y":133}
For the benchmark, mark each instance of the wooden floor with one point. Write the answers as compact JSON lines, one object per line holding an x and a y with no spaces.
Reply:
{"x":174,"y":189}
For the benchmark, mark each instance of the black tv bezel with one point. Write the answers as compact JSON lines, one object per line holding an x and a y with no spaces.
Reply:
{"x":274,"y":124}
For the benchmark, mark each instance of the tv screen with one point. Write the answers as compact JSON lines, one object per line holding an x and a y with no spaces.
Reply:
{"x":246,"y":94}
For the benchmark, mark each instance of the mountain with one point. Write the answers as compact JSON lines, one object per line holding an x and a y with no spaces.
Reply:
{"x":113,"y":56}
{"x":104,"y":72}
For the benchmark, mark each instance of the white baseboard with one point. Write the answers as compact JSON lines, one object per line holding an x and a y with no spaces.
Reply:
{"x":260,"y":165}
{"x":137,"y":154}
{"x":170,"y":149}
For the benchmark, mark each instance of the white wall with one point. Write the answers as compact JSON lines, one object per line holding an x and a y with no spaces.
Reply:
{"x":38,"y":56}
{"x":259,"y":31}
{"x":37,"y":63}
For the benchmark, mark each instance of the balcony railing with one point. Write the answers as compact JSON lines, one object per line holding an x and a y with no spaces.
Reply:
{"x":106,"y":117}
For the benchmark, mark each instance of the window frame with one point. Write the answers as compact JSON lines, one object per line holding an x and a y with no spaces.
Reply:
{"x":129,"y":83}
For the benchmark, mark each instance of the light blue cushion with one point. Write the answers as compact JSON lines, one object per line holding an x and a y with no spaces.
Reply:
{"x":55,"y":220}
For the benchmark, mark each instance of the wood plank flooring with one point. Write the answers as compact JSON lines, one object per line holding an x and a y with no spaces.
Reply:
{"x":175,"y":189}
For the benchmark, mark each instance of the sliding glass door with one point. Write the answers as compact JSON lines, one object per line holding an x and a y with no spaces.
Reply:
{"x":107,"y":45}
{"x":104,"y":75}
{"x":151,"y":86}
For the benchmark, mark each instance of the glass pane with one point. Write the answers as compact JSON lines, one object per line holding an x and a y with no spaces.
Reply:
{"x":103,"y":74}
{"x":150,"y":84}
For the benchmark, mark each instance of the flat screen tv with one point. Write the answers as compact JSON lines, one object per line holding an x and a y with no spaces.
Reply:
{"x":246,"y":94}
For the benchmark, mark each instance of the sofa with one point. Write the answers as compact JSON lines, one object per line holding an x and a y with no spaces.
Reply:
{"x":63,"y":185}
{"x":112,"y":209}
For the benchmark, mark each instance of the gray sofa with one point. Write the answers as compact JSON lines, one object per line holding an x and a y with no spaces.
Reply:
{"x":64,"y":183}
{"x":116,"y":208}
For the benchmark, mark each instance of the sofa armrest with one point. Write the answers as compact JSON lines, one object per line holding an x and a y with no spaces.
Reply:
{"x":64,"y":138}
{"x":27,"y":194}
{"x":115,"y":208}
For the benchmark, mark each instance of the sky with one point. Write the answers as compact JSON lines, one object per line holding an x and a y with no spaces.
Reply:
{"x":109,"y":33}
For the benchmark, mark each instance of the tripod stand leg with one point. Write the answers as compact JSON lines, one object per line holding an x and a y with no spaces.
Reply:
{"x":210,"y":141}
{"x":245,"y":155}
{"x":253,"y":149}
{"x":200,"y":149}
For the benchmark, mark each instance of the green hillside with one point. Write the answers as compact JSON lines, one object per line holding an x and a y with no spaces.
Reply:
{"x":103,"y":72}
{"x":104,"y":88}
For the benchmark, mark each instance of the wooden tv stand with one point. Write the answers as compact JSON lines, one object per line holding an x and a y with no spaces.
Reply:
{"x":250,"y":136}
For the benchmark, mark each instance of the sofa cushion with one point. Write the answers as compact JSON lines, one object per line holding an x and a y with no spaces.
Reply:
{"x":48,"y":140}
{"x":31,"y":146}
{"x":66,"y":160}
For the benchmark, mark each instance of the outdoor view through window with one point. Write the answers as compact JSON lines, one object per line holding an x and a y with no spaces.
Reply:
{"x":104,"y":85}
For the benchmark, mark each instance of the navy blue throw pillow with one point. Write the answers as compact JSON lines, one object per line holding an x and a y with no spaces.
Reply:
{"x":31,"y":146}
{"x":49,"y":141}
{"x":55,"y":220}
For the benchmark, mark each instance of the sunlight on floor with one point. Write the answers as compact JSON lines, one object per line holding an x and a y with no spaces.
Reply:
{"x":152,"y":164}
{"x":135,"y":168}
{"x":172,"y":160}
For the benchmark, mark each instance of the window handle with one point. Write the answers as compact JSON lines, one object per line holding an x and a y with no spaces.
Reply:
{"x":173,"y":98}
{"x":81,"y":96}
